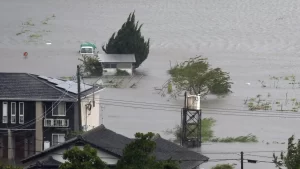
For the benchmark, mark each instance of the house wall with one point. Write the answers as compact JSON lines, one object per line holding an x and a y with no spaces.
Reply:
{"x":122,"y":66}
{"x":48,"y":131}
{"x":91,"y":117}
{"x":29,"y":115}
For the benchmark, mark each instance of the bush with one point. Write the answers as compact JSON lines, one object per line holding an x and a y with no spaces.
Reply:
{"x":122,"y":73}
{"x":223,"y":166}
{"x":91,"y":65}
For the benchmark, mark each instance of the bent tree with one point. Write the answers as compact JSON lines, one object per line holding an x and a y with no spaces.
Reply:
{"x":129,"y":40}
{"x":197,"y":77}
{"x":290,"y":159}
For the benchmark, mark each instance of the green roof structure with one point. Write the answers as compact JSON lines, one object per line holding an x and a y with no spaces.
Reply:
{"x":88,"y":44}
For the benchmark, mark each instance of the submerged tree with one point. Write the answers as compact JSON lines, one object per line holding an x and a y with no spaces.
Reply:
{"x":91,"y":65}
{"x":197,"y":77}
{"x":129,"y":40}
{"x":290,"y":160}
{"x":139,"y":155}
{"x":82,"y":159}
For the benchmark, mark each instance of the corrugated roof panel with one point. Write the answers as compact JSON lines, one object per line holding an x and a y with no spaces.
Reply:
{"x":117,"y":58}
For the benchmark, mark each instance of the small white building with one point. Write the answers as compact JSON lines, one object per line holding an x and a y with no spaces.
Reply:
{"x":112,"y":62}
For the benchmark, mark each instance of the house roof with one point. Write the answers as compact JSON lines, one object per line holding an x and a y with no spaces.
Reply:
{"x":30,"y":87}
{"x":47,"y":163}
{"x":114,"y":143}
{"x":117,"y":58}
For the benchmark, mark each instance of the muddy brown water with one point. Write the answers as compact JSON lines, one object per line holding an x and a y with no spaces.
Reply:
{"x":250,"y":39}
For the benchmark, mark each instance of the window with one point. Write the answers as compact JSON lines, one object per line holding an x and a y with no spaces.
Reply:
{"x":13,"y":112}
{"x":57,"y":139}
{"x":59,"y":110}
{"x":113,"y":65}
{"x":106,"y":65}
{"x":21,"y":113}
{"x":4,"y":112}
{"x":110,"y":65}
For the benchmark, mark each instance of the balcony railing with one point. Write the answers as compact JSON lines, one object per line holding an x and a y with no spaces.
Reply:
{"x":56,"y":122}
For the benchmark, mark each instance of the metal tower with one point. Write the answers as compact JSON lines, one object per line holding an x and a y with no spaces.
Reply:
{"x":191,"y":122}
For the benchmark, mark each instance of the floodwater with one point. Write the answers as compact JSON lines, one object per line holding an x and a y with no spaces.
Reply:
{"x":251,"y":39}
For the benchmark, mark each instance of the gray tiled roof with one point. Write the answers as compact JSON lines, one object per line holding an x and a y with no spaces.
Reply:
{"x":117,"y":58}
{"x":49,"y":163}
{"x":24,"y":86}
{"x":114,"y":143}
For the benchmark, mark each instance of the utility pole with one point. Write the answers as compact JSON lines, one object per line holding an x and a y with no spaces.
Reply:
{"x":79,"y":98}
{"x":242,"y":160}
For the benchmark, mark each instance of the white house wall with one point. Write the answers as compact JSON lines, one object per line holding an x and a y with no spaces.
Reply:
{"x":113,"y":71}
{"x":93,"y":116}
{"x":122,"y":66}
{"x":105,"y":157}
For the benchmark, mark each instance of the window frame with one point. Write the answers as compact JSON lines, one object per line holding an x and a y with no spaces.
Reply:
{"x":65,"y":109}
{"x":23,"y":113}
{"x":6,"y":112}
{"x":11,"y":113}
{"x":58,"y":134}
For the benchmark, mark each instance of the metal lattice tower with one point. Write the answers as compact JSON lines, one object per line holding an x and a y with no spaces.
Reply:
{"x":191,"y":125}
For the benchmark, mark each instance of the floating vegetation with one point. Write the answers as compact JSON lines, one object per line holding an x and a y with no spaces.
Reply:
{"x":265,"y":103}
{"x":208,"y":134}
{"x":258,"y":103}
{"x":241,"y":139}
{"x":28,"y":23}
{"x":35,"y":36}
{"x":278,"y":81}
{"x":24,"y":31}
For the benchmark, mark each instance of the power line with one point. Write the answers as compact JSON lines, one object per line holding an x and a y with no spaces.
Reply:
{"x":176,"y":106}
{"x":209,"y":160}
{"x":220,"y":112}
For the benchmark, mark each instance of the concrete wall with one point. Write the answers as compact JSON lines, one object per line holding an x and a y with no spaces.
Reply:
{"x":92,"y":117}
{"x":38,"y":127}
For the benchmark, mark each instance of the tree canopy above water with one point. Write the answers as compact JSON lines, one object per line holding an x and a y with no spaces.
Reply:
{"x":129,"y":40}
{"x":197,"y":77}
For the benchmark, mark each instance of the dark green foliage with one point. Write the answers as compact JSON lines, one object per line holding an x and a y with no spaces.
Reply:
{"x":207,"y":132}
{"x":129,"y":40}
{"x":73,"y":134}
{"x":82,"y":159}
{"x":138,"y":155}
{"x":2,"y":166}
{"x":122,"y":73}
{"x":91,"y":65}
{"x":241,"y":139}
{"x":291,"y":159}
{"x":196,"y":76}
{"x":223,"y":166}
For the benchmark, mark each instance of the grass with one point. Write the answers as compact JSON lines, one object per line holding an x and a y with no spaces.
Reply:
{"x":208,"y":133}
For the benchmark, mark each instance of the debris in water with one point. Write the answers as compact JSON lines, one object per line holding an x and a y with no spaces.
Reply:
{"x":25,"y":55}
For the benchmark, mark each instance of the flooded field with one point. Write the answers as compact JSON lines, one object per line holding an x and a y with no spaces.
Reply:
{"x":251,"y":39}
